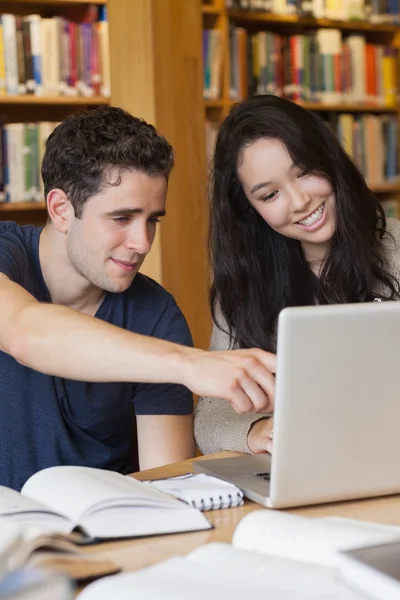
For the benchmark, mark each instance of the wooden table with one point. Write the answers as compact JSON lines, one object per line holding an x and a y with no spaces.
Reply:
{"x":136,"y":554}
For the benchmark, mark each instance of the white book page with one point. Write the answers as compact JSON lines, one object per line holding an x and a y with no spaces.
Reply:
{"x":283,"y":575}
{"x":128,"y":521}
{"x":33,"y":515}
{"x":77,"y":492}
{"x":307,"y":539}
{"x":14,"y":503}
{"x":202,"y":576}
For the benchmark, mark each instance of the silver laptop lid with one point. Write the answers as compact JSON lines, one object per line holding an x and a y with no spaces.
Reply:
{"x":337,"y":413}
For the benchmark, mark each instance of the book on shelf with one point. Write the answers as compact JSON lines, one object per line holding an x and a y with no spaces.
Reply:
{"x":374,"y":11}
{"x":359,"y":134}
{"x":273,"y":554}
{"x":102,"y":504}
{"x":322,"y":66}
{"x":55,"y":56}
{"x":212,"y":61}
{"x":22,"y":147}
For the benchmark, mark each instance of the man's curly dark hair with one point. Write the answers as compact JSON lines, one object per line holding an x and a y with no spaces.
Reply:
{"x":85,"y":148}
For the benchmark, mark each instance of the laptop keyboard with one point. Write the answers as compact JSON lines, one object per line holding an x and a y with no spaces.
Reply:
{"x":265,"y":476}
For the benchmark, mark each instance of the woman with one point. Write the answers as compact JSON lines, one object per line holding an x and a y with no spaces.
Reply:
{"x":292,"y":223}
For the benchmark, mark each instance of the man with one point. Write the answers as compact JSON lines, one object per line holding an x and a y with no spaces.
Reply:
{"x":85,"y":342}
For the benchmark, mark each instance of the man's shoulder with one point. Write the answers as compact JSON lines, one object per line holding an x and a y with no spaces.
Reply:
{"x":15,"y":233}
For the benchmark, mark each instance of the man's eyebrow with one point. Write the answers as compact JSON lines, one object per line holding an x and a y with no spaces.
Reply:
{"x":127,"y":212}
{"x":258,"y":186}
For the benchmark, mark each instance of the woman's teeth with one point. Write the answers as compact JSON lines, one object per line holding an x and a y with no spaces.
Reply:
{"x":314,"y":217}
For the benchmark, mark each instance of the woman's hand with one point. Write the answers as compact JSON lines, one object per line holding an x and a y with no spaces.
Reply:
{"x":259,"y":438}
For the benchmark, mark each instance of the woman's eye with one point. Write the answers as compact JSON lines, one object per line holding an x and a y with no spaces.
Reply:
{"x":303,"y":174}
{"x":269,"y":196}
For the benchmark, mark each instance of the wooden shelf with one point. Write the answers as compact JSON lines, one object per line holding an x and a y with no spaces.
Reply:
{"x":245,"y":16}
{"x":360,"y":108}
{"x":387,"y":187}
{"x":214,"y":103}
{"x":65,"y":100}
{"x":209,"y":9}
{"x":20,"y":206}
{"x":52,"y":2}
{"x":349,"y":107}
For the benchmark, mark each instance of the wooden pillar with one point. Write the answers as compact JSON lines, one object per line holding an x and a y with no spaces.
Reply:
{"x":156,"y":49}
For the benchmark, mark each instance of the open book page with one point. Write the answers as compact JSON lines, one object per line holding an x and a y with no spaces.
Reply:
{"x":78,"y":491}
{"x":307,"y":539}
{"x":217,"y":571}
{"x":14,"y":506}
{"x":107,"y":504}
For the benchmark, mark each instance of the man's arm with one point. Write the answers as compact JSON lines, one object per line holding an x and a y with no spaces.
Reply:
{"x":59,"y":341}
{"x":163,"y":439}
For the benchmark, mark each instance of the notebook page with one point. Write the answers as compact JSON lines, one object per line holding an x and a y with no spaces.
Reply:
{"x":181,"y":578}
{"x":202,"y":491}
{"x":306,"y":539}
{"x":79,"y":491}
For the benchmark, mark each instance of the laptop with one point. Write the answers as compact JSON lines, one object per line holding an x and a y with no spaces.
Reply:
{"x":337,"y":410}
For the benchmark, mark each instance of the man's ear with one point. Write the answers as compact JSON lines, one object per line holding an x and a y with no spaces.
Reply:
{"x":60,"y":210}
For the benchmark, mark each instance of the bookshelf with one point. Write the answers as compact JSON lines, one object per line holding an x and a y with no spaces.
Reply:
{"x":217,"y":17}
{"x":33,"y":108}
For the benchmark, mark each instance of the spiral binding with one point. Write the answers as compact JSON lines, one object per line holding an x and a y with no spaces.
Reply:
{"x":213,"y":504}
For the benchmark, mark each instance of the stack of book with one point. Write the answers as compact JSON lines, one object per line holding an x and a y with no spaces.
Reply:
{"x":320,"y":66}
{"x":54,"y":56}
{"x":22,"y":147}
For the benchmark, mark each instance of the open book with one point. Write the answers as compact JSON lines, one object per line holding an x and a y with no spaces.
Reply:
{"x":286,"y":555}
{"x":101,"y":504}
{"x":22,"y":546}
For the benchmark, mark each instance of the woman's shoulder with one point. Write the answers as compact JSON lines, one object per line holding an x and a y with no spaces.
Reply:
{"x":391,"y":246}
{"x":391,"y":238}
{"x":220,"y":338}
{"x":393,"y":228}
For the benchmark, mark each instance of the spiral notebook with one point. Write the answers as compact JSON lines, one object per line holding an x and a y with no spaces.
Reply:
{"x":201,"y":491}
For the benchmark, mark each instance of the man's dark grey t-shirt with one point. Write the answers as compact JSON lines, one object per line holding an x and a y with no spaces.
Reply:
{"x":47,"y":421}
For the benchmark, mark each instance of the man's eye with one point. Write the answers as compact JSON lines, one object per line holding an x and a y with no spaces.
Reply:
{"x":269,"y":196}
{"x":121,"y":219}
{"x":155,"y":220}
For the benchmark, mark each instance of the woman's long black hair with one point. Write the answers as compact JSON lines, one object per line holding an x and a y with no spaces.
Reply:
{"x":256,"y":271}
